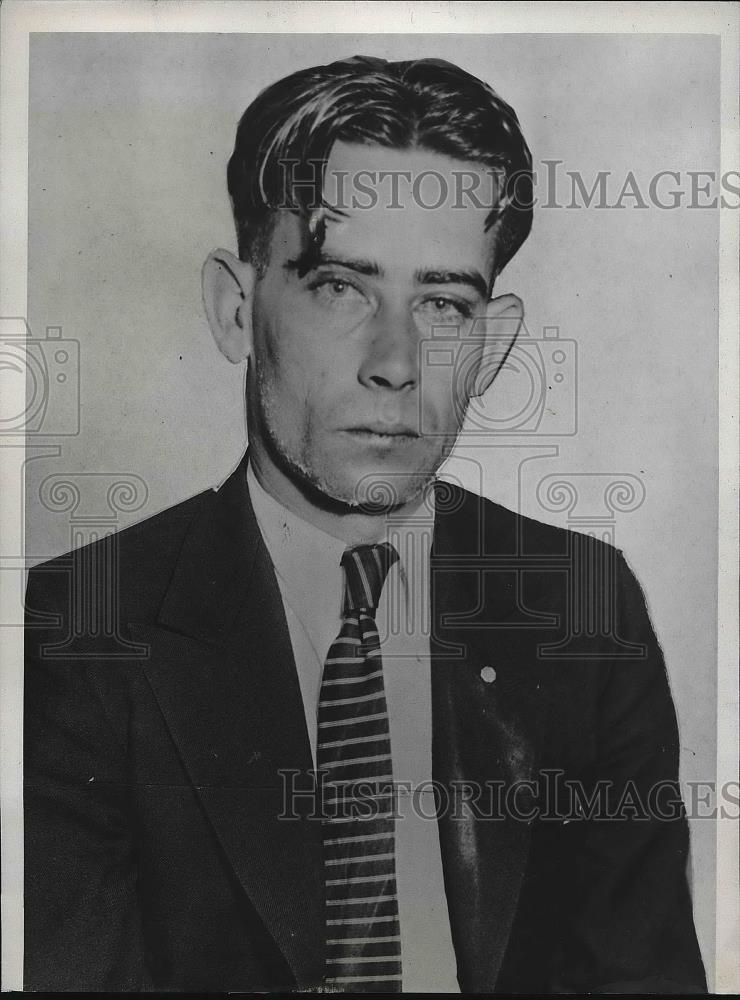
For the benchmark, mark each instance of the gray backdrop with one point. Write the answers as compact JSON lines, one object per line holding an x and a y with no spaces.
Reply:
{"x":129,"y":138}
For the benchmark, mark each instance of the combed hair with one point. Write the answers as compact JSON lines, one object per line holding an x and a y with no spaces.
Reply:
{"x":285,"y":136}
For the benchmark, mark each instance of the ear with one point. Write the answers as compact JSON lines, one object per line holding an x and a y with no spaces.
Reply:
{"x":503,"y":320}
{"x":228,"y":287}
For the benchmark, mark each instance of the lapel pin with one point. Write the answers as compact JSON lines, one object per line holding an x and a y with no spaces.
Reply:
{"x":488,"y":674}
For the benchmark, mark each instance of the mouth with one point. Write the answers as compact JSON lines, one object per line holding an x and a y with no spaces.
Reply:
{"x":377,"y":432}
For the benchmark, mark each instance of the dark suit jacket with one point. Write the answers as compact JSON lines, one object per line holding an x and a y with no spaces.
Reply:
{"x":162,"y":702}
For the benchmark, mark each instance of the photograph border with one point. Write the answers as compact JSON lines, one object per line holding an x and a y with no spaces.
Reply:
{"x":20,"y":18}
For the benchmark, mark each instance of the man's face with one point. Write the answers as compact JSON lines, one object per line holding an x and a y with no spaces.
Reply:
{"x":335,"y":390}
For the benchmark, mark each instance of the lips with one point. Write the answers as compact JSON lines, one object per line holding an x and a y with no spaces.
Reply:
{"x":384,"y":430}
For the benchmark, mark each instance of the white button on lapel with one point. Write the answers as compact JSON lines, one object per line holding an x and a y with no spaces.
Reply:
{"x":488,"y":674}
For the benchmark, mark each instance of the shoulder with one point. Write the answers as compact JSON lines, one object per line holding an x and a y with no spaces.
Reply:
{"x":140,"y":555}
{"x":543,"y":562}
{"x":468,"y":517}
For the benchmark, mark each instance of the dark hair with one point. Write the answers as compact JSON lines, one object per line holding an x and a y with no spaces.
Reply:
{"x":427,"y":103}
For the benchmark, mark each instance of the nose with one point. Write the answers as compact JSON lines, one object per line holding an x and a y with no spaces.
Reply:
{"x":391,"y":359}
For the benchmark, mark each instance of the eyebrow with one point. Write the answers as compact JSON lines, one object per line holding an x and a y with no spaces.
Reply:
{"x":425,"y":276}
{"x":473,"y":278}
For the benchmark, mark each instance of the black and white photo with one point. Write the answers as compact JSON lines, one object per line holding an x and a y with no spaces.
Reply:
{"x":371,"y":471}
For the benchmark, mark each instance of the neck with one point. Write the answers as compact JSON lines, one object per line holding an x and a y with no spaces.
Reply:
{"x":352,"y":526}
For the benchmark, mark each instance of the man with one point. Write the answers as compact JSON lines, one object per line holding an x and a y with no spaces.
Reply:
{"x":488,"y":814}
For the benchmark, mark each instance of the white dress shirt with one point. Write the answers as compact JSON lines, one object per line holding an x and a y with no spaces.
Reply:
{"x":307,"y":564}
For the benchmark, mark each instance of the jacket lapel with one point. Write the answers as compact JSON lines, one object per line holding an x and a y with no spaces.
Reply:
{"x":485,"y":741}
{"x":221,"y":667}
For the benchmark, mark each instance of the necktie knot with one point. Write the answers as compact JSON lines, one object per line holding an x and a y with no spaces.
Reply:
{"x":365,"y":569}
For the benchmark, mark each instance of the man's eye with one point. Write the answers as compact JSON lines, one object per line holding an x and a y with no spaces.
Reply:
{"x":442,"y":307}
{"x":336,"y":290}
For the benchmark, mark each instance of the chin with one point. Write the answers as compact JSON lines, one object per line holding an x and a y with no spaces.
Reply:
{"x":386,"y":490}
{"x":368,"y":485}
{"x":356,"y":481}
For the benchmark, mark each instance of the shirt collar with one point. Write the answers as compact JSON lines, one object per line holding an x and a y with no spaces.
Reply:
{"x":303,"y":554}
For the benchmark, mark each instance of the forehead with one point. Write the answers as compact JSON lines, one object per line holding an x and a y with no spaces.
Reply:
{"x":406,"y":209}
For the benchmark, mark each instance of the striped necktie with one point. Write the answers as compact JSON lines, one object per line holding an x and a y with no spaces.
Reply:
{"x":363,"y":951}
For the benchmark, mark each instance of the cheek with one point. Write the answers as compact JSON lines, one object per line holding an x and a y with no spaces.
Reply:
{"x":442,"y":400}
{"x":277,"y":361}
{"x":295,"y":387}
{"x":288,"y":343}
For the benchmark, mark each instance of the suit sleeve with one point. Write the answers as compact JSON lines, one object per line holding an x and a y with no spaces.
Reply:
{"x":632,"y":927}
{"x":81,"y":920}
